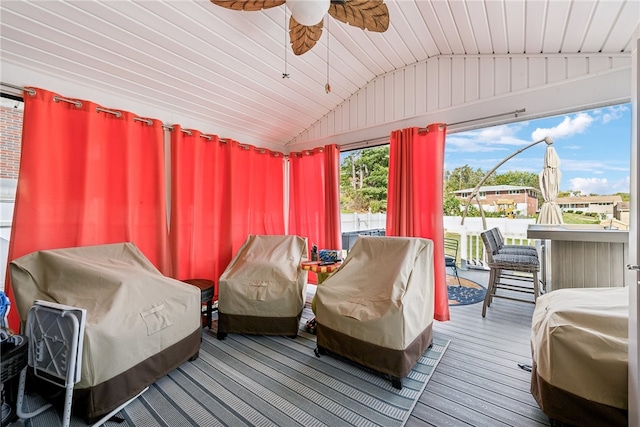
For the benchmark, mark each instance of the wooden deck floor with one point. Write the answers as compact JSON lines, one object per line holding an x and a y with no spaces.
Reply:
{"x":478,"y":382}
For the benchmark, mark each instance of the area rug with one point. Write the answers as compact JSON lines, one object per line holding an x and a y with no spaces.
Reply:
{"x":271,"y":381}
{"x":467,"y":292}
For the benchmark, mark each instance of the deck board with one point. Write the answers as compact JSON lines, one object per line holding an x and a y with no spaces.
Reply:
{"x":478,"y":381}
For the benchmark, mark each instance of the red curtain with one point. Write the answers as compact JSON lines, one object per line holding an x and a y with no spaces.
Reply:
{"x":257,"y":193}
{"x":414,"y":203}
{"x":88,"y":177}
{"x":222,"y":191}
{"x":198,"y":187}
{"x":314,"y":196}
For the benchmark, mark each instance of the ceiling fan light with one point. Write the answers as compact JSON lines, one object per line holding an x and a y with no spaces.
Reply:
{"x":308,"y":12}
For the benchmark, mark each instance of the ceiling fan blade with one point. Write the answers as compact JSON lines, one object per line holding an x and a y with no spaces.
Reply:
{"x":250,"y":5}
{"x":303,"y":37}
{"x":372,"y":15}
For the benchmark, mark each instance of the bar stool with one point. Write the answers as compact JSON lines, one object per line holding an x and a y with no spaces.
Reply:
{"x":206,"y":296}
{"x":515,"y":267}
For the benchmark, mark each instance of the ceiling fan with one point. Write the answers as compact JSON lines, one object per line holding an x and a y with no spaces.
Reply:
{"x":305,"y":25}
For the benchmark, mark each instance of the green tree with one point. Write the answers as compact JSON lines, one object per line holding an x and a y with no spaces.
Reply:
{"x":625,"y":196}
{"x":451,"y":205}
{"x":524,"y":179}
{"x":463,"y":177}
{"x":363,"y":180}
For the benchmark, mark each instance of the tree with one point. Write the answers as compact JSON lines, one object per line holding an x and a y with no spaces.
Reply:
{"x":463,"y":177}
{"x":625,"y":196}
{"x":451,"y":205}
{"x":363,"y":180}
{"x":523,"y":179}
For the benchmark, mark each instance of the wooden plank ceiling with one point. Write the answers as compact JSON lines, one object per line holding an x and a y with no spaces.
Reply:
{"x":225,"y":68}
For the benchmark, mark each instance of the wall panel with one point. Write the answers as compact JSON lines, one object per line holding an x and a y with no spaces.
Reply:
{"x":433,"y":87}
{"x":421,"y":87}
{"x":476,"y":85}
{"x":444,"y":82}
{"x":457,"y":80}
{"x":409,"y":92}
{"x":398,"y":94}
{"x":486,"y":78}
{"x":502,"y":75}
{"x":471,"y":79}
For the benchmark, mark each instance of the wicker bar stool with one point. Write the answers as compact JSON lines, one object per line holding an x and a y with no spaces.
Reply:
{"x":511,"y":249}
{"x":507,"y":268}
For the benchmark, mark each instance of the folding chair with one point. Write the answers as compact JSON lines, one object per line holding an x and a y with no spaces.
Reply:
{"x":56,"y":334}
{"x":451,"y":256}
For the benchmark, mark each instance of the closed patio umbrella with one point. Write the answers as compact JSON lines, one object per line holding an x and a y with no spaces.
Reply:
{"x":549,"y":177}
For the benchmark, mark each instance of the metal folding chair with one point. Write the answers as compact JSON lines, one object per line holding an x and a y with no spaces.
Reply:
{"x":451,"y":256}
{"x":56,"y":335}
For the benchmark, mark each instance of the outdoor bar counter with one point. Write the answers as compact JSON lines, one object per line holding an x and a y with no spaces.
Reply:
{"x":582,"y":256}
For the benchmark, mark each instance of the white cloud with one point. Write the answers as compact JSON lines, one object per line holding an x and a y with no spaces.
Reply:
{"x":599,"y":185}
{"x":594,"y":166}
{"x":568,"y":127}
{"x":495,"y":138}
{"x":612,"y":113}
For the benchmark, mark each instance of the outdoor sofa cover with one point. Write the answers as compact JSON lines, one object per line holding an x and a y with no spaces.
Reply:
{"x":140,"y":324}
{"x":579,"y":346}
{"x":377,"y":308}
{"x":263,"y":289}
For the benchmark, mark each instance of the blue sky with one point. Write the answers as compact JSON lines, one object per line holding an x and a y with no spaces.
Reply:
{"x":593,"y":146}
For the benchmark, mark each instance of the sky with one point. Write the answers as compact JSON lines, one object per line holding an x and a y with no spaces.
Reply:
{"x":593,"y":147}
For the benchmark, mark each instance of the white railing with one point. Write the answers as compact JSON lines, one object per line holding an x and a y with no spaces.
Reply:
{"x":362,"y":221}
{"x":471,"y":246}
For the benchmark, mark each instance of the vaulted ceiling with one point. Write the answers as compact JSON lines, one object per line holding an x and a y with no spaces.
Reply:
{"x":221,"y":71}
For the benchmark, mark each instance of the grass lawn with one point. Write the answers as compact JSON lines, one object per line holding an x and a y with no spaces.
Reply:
{"x":571,"y":218}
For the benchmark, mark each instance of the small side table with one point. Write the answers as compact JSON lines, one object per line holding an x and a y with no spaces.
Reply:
{"x":323,"y":272}
{"x":207,"y":288}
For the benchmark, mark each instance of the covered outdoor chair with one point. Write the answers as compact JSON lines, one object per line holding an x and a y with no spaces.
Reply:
{"x":579,"y":348}
{"x":514,"y":274}
{"x":263,"y":289}
{"x":377,"y":308}
{"x":140,"y":325}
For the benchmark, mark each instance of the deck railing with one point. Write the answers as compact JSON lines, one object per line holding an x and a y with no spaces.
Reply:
{"x":471,"y":249}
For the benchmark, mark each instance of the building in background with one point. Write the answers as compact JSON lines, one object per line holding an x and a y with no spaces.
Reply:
{"x":522,"y":201}
{"x":590,"y":204}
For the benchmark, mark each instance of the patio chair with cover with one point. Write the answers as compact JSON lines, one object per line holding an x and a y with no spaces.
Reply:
{"x":140,"y":324}
{"x":263,"y":289}
{"x":377,"y":308}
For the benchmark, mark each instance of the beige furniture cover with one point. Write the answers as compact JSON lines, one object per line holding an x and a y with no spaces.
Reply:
{"x":263,"y":289}
{"x":377,"y":308}
{"x":140,"y":324}
{"x":579,"y":346}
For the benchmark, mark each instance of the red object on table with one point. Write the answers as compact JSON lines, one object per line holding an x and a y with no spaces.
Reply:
{"x":315,"y":267}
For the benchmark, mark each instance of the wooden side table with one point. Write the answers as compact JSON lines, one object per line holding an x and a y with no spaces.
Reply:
{"x":207,"y":288}
{"x":323,"y":271}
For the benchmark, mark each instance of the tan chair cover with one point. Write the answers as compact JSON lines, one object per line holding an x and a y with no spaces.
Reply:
{"x":264,"y":280}
{"x":377,"y":308}
{"x":579,"y":345}
{"x":382,"y":293}
{"x":133,"y":312}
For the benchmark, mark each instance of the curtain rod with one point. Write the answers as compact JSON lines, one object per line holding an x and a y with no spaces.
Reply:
{"x":382,"y":139}
{"x":78,"y":104}
{"x":514,"y":112}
